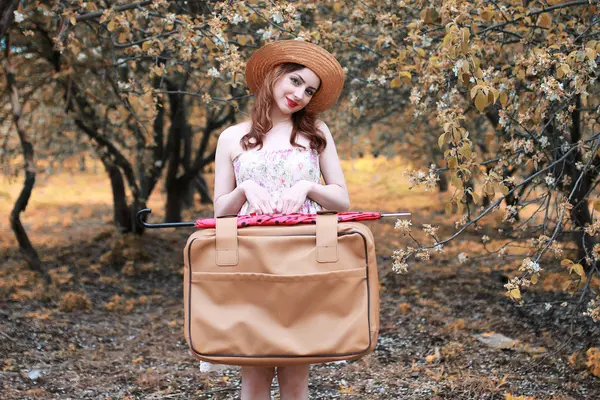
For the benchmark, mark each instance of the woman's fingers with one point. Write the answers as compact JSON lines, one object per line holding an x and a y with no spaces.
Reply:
{"x":274,"y":206}
{"x":267,"y":207}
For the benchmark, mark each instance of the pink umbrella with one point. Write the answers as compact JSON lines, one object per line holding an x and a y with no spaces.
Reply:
{"x":270,"y":219}
{"x":293,"y":219}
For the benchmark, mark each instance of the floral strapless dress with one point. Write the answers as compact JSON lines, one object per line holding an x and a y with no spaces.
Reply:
{"x":277,"y":170}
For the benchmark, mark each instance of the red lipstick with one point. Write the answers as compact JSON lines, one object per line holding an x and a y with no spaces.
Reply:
{"x":291,"y":103}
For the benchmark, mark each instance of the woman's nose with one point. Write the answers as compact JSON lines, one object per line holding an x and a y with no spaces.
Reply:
{"x":299,"y":94}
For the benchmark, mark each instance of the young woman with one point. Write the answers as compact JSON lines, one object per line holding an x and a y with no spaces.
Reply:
{"x":272,"y":163}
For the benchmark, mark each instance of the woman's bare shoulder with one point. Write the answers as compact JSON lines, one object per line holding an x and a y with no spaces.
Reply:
{"x":237,"y":131}
{"x":232,"y":136}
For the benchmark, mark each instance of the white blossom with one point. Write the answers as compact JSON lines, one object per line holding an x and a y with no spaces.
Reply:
{"x":462,"y":258}
{"x":400,"y":267}
{"x":237,"y":18}
{"x":267,"y":34}
{"x":277,"y":17}
{"x":214,"y":73}
{"x":19,"y":17}
{"x":457,"y":67}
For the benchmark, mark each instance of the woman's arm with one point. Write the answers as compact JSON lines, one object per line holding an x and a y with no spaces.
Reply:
{"x":334,"y":194}
{"x":228,"y":198}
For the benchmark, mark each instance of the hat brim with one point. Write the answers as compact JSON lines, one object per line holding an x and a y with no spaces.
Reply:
{"x":312,"y":56}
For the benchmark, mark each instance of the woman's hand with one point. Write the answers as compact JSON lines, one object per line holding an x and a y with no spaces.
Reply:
{"x":259,"y":198}
{"x":293,"y":198}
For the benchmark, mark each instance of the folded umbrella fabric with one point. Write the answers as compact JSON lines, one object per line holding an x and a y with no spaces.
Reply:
{"x":289,"y":219}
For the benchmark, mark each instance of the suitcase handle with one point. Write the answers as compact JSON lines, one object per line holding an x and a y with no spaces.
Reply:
{"x":226,"y":243}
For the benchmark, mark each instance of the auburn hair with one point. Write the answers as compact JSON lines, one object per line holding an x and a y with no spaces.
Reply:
{"x":303,"y":121}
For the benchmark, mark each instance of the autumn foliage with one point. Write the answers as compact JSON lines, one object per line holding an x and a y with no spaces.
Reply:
{"x":493,"y":103}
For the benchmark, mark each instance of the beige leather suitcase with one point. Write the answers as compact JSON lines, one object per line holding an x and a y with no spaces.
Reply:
{"x":281,"y":295}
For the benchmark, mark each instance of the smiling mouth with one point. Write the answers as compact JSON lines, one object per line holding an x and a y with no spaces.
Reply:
{"x":291,"y":103}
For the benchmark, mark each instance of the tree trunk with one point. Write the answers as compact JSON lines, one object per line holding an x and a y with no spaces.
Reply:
{"x":443,"y":183}
{"x":177,"y":133}
{"x":121,"y":215}
{"x":580,"y":213}
{"x":202,"y":188}
{"x":27,"y":249}
{"x":7,"y":9}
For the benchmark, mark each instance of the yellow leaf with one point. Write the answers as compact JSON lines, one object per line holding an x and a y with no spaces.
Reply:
{"x":534,"y":278}
{"x":597,"y":205}
{"x":474,"y":91}
{"x":111,"y":26}
{"x":209,"y":44}
{"x":146,"y":45}
{"x":503,"y":99}
{"x":337,"y":7}
{"x":481,"y":101}
{"x":465,"y":39}
{"x":566,"y":262}
{"x":496,"y":94}
{"x":345,"y":389}
{"x":589,"y":53}
{"x":545,"y":20}
{"x":430,"y":358}
{"x":578,"y":268}
{"x":245,"y":39}
{"x":466,"y":150}
{"x":420,"y":52}
{"x":395,"y":83}
{"x":406,"y":75}
{"x":486,"y":15}
{"x":73,"y":21}
{"x":452,"y":162}
{"x":515,"y":294}
{"x":442,"y":140}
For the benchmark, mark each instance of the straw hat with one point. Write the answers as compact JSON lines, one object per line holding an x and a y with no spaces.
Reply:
{"x":319,"y":60}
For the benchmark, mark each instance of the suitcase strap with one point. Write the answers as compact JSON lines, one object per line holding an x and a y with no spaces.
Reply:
{"x":227,"y":253}
{"x":327,"y":237}
{"x":226,"y":241}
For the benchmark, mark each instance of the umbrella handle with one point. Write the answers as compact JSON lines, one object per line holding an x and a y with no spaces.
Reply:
{"x":141,"y":214}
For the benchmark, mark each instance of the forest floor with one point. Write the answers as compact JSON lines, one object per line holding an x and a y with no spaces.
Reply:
{"x":111,"y":324}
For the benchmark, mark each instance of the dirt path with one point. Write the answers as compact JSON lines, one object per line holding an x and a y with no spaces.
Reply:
{"x":132,"y":346}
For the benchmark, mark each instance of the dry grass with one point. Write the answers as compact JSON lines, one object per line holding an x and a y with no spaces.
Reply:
{"x":118,"y":297}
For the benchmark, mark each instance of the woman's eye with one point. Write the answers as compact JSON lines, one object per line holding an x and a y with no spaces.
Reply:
{"x":309,"y":92}
{"x":294,"y":80}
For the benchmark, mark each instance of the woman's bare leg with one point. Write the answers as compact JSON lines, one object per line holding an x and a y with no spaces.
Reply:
{"x":293,"y":382}
{"x":256,"y":383}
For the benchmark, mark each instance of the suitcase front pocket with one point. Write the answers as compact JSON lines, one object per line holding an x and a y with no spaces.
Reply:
{"x":263,"y":315}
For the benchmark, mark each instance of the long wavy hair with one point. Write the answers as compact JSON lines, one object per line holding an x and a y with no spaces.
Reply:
{"x":303,"y":121}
